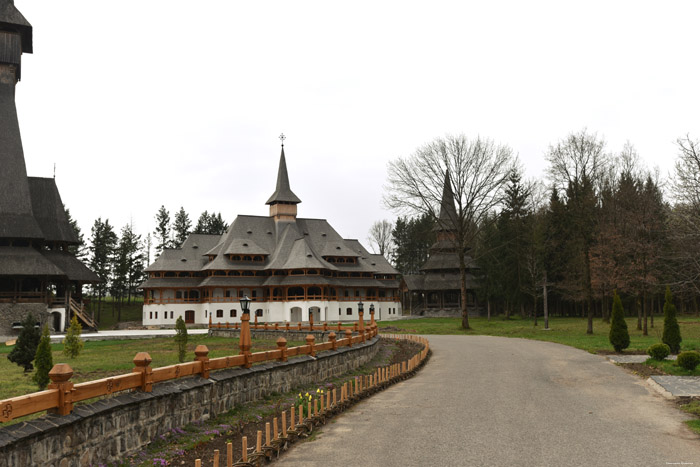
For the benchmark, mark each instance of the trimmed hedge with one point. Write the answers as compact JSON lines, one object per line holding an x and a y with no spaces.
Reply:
{"x":688,"y":359}
{"x":659,"y":351}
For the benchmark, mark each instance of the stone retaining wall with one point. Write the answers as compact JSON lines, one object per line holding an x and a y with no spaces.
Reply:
{"x":16,"y":313}
{"x":111,"y":429}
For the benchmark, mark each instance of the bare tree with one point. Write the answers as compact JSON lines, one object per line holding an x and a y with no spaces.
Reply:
{"x":687,"y":180}
{"x":576,"y":164}
{"x":475,"y":172}
{"x":379,"y":237}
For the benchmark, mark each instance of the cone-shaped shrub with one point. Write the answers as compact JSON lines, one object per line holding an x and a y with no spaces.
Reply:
{"x":672,"y":332}
{"x":619,"y":337}
{"x":72,"y":343}
{"x":44,"y":359}
{"x":27,"y":342}
{"x":181,"y":338}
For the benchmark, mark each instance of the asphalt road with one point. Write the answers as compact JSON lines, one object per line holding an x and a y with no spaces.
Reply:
{"x":492,"y":401}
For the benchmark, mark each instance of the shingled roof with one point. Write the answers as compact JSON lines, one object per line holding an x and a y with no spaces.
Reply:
{"x":12,"y":20}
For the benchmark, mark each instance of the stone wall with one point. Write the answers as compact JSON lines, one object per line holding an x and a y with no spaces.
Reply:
{"x":111,"y":429}
{"x":16,"y":313}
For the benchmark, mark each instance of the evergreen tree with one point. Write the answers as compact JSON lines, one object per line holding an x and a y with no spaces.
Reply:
{"x":619,"y":336}
{"x":672,"y":332}
{"x":162,"y":232}
{"x":72,"y":343}
{"x":80,"y":250}
{"x":181,"y":338}
{"x":102,"y":245}
{"x":181,"y":226}
{"x":25,"y":350}
{"x":203,"y":223}
{"x":412,"y":239}
{"x":43,"y":361}
{"x":128,"y":266}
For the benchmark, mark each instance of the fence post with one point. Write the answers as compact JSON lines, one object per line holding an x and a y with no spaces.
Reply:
{"x":245,"y":342}
{"x":310,"y":339}
{"x":216,"y":458}
{"x":277,"y":326}
{"x":339,"y":326}
{"x":202,"y":355}
{"x":244,"y":447}
{"x":229,"y":454}
{"x":325,"y":326}
{"x":282,"y":345}
{"x":355,"y":327}
{"x":361,"y":327}
{"x":300,"y":325}
{"x":311,"y":321}
{"x":332,"y":338}
{"x":142,"y":360}
{"x":59,"y":375}
{"x":266,"y":326}
{"x":348,"y":336}
{"x":210,"y":326}
{"x":287,"y":325}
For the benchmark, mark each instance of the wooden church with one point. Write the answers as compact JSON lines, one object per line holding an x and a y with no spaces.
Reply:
{"x":38,"y":274}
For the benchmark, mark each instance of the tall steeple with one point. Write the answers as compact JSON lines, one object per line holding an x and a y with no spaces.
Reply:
{"x":16,"y":216}
{"x":283,"y":202}
{"x":448,"y":214}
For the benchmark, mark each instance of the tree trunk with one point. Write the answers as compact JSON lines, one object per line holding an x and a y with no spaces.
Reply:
{"x":463,"y":287}
{"x":606,"y":315}
{"x":639,"y":314}
{"x":488,"y":310}
{"x":534,"y":308}
{"x":645,"y":331}
{"x":546,"y":310}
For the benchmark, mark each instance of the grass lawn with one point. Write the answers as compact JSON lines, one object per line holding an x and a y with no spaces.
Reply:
{"x":108,"y":315}
{"x":100,"y":359}
{"x":567,"y":331}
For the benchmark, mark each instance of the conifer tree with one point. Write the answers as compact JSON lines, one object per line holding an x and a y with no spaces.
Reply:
{"x":102,"y":244}
{"x":181,"y":226}
{"x":181,"y":338}
{"x":619,"y":337}
{"x":672,"y":332}
{"x":72,"y":343}
{"x":162,"y":231}
{"x":25,"y":350}
{"x":43,"y":362}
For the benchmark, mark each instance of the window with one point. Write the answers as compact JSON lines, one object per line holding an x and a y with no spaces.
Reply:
{"x":357,"y":293}
{"x":189,"y":316}
{"x":259,"y":312}
{"x":348,"y":311}
{"x":171,"y":314}
{"x":232,"y":314}
{"x":255,"y":293}
{"x":219,"y":313}
{"x":347,"y":293}
{"x":205,"y":313}
{"x":150,"y":315}
{"x":156,"y":315}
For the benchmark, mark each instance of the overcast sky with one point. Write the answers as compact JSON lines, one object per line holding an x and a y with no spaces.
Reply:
{"x":144,"y":103}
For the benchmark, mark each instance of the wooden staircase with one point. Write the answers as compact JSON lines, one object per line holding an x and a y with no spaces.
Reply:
{"x":78,"y":309}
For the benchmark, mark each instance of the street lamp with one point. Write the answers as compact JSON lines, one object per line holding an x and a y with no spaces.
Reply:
{"x":245,"y":304}
{"x":373,"y":323}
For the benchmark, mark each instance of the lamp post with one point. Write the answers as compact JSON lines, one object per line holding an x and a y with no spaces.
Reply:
{"x":360,"y":311}
{"x":373,"y":323}
{"x":245,"y":342}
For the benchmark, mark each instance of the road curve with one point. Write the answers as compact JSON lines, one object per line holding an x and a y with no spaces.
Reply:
{"x":494,"y":401}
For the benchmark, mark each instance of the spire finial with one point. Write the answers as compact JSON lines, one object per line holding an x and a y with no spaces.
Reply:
{"x":282,"y":138}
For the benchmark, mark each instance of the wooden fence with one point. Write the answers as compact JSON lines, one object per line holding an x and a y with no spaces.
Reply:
{"x":62,"y":393}
{"x":318,"y":410}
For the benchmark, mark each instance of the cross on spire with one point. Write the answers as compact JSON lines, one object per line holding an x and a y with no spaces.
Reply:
{"x":282,"y":138}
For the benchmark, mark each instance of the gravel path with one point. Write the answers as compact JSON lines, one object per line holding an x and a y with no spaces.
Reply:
{"x":492,"y":401}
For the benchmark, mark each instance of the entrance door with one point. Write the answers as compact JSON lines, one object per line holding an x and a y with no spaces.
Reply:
{"x":189,"y":316}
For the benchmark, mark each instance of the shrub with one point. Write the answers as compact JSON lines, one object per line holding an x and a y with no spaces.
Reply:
{"x":72,"y":343}
{"x":181,"y":338}
{"x":672,"y":332}
{"x":619,"y":337}
{"x":688,"y":359}
{"x":659,"y":351}
{"x":25,"y":350}
{"x":43,"y":362}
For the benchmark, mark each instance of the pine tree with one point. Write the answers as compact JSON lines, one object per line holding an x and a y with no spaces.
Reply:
{"x":217,"y":225}
{"x":25,"y":350}
{"x":181,"y":338}
{"x":102,"y":244}
{"x":80,"y":250}
{"x":43,"y":362}
{"x":672,"y":332}
{"x":619,"y":336}
{"x":72,"y":343}
{"x":162,"y":231}
{"x":203,"y":223}
{"x":181,"y":226}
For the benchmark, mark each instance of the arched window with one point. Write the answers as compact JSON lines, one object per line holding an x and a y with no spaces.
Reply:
{"x":257,"y":258}
{"x":297,"y":272}
{"x":236,"y":258}
{"x":247,"y":273}
{"x":295,"y":292}
{"x":169,"y":274}
{"x":247,"y":258}
{"x":277,"y":293}
{"x":312,"y":272}
{"x":316,"y":291}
